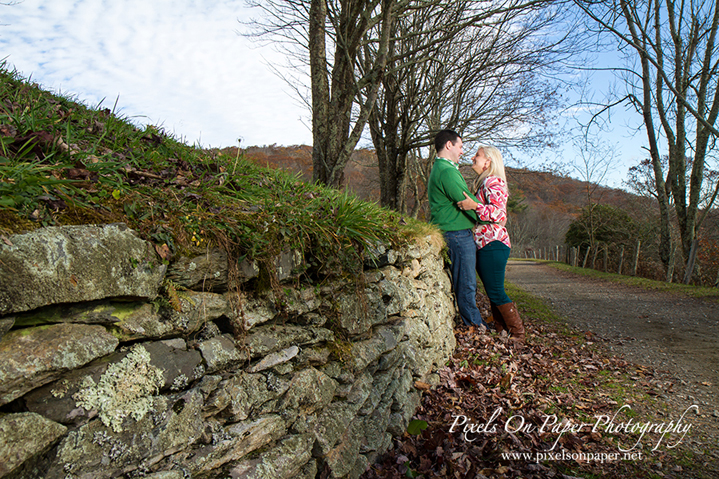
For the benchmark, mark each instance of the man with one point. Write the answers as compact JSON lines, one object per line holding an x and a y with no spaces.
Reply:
{"x":446,"y":187}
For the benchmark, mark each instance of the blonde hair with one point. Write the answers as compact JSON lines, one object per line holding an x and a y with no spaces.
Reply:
{"x":496,"y":165}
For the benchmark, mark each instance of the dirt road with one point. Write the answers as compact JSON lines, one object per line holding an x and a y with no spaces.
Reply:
{"x":675,"y":335}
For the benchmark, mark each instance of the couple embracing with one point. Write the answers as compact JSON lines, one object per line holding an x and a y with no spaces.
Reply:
{"x":474,"y":229}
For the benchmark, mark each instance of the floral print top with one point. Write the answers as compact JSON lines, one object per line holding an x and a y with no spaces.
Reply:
{"x":492,"y":197}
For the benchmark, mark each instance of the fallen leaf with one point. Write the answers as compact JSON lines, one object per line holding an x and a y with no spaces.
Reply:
{"x":422,"y":385}
{"x":8,"y":130}
{"x":163,"y":251}
{"x":77,"y":174}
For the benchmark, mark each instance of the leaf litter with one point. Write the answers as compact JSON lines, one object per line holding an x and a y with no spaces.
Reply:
{"x":558,"y":407}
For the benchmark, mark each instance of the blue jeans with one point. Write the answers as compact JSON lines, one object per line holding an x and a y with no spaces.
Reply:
{"x":491,"y":264}
{"x":463,"y":256}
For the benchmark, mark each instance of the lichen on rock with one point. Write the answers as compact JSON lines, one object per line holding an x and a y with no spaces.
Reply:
{"x":125,"y":389}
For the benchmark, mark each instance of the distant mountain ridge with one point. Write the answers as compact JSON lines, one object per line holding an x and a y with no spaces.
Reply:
{"x":544,"y":190}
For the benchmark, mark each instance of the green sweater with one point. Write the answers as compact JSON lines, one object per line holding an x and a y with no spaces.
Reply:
{"x":444,"y":190}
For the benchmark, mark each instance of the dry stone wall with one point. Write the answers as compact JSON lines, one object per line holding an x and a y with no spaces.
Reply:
{"x":100,"y":377}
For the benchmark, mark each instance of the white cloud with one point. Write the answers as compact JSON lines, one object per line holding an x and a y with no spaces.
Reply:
{"x":179,"y":64}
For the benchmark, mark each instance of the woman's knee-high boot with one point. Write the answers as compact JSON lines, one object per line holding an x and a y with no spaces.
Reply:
{"x":499,"y":325}
{"x":511,"y":318}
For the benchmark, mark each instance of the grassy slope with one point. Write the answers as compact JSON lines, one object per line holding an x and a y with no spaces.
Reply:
{"x":62,"y":163}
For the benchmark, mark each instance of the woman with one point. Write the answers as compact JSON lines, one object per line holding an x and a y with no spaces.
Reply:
{"x":492,"y":239}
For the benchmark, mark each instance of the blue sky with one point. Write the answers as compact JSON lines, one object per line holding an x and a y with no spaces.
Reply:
{"x":182,"y":65}
{"x":179,"y":64}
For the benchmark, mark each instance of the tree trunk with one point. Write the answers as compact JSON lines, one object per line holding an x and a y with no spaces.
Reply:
{"x":335,"y":132}
{"x":390,"y":159}
{"x":320,"y":88}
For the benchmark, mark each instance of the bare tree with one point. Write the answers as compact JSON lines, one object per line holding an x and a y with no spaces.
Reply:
{"x":591,"y":163}
{"x":672,"y":82}
{"x":353,"y":47}
{"x":487,"y":80}
{"x":329,"y":34}
{"x":642,"y":182}
{"x":538,"y":227}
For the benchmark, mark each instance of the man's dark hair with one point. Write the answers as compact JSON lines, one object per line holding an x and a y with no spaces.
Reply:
{"x":443,"y":137}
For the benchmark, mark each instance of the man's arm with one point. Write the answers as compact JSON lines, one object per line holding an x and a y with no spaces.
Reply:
{"x":455,"y":187}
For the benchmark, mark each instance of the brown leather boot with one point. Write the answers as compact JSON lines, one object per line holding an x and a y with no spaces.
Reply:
{"x":499,"y":325}
{"x":511,"y":318}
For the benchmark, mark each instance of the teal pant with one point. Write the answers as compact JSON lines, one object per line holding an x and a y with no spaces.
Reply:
{"x":491,"y":263}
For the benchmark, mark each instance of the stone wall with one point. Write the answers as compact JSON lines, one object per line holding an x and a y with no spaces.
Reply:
{"x":100,"y":377}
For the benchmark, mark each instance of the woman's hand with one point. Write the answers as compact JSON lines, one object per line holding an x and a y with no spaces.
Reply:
{"x":467,"y":204}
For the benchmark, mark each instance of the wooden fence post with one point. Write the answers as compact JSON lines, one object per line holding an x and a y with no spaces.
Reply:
{"x":690,"y":263}
{"x":606,"y":257}
{"x":621,"y":260}
{"x":670,"y":269}
{"x":586,"y":255}
{"x":594,"y":256}
{"x":636,"y":258}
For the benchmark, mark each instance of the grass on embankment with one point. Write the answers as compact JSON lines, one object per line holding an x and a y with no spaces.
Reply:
{"x":64,"y":163}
